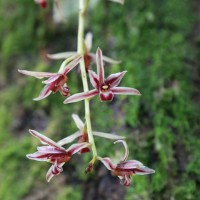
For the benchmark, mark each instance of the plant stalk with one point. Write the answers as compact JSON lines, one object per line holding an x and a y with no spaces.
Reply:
{"x":81,"y":51}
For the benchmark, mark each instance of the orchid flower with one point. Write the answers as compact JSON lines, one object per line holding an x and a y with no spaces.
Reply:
{"x":54,"y":153}
{"x":125,"y":168}
{"x":89,"y":57}
{"x":55,"y":82}
{"x":105,"y":88}
{"x":82,"y":135}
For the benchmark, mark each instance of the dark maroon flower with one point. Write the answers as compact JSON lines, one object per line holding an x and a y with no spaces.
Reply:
{"x":125,"y":168}
{"x":54,"y":153}
{"x":105,"y":88}
{"x":55,"y":82}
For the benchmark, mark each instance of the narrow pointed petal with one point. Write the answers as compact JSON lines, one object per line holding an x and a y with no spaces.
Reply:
{"x":38,"y":75}
{"x":44,"y":93}
{"x":52,"y":79}
{"x":45,"y":139}
{"x":88,"y":41}
{"x":62,"y":55}
{"x":78,"y":121}
{"x":81,"y":96}
{"x":107,"y":162}
{"x":108,"y":135}
{"x":71,"y":65}
{"x":94,"y":79}
{"x":114,"y":79}
{"x":38,"y":156}
{"x":130,"y":164}
{"x":126,"y":149}
{"x":69,"y":139}
{"x":100,"y":67}
{"x":74,"y":148}
{"x":49,"y":150}
{"x":110,"y":60}
{"x":125,"y":91}
{"x":143,"y":170}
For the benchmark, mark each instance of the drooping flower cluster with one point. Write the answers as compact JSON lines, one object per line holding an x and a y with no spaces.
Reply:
{"x":106,"y":88}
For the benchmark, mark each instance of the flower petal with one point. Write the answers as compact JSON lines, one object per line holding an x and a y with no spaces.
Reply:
{"x":110,"y":60}
{"x":69,"y":139}
{"x":49,"y":150}
{"x":88,"y":41}
{"x":108,"y":135}
{"x":114,"y":79}
{"x":143,"y":170}
{"x":71,"y":65}
{"x":78,"y":121}
{"x":45,"y":139}
{"x":100,"y":67}
{"x":108,"y":163}
{"x":126,"y":149}
{"x":81,"y":96}
{"x":74,"y":148}
{"x":125,"y":90}
{"x":38,"y":156}
{"x":38,"y":75}
{"x":94,"y":79}
{"x":44,"y":93}
{"x":52,"y":79}
{"x":130,"y":164}
{"x":62,"y":55}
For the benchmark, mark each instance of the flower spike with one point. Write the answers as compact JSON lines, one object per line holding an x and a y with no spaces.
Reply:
{"x":105,"y":88}
{"x":55,"y":82}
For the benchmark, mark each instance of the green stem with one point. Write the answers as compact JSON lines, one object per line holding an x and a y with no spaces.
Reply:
{"x":81,"y":51}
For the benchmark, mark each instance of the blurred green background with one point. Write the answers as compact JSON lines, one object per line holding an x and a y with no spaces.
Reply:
{"x":158,"y":42}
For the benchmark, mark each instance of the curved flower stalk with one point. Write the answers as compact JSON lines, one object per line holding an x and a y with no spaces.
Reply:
{"x":54,"y":153}
{"x":55,"y":82}
{"x":125,"y":168}
{"x":105,"y":88}
{"x":82,"y":135}
{"x":89,"y":57}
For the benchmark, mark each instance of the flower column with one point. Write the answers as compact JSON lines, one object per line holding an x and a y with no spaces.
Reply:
{"x":83,"y":4}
